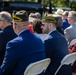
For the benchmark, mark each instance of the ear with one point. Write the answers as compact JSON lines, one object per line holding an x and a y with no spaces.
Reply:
{"x":50,"y":25}
{"x":3,"y":22}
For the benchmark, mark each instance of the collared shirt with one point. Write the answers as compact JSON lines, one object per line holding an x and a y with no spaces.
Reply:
{"x":22,"y":31}
{"x":51,"y":31}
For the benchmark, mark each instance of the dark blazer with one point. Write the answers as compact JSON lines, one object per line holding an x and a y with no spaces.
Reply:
{"x":5,"y":35}
{"x":60,"y":30}
{"x":65,"y":24}
{"x":56,"y":48}
{"x":20,"y":52}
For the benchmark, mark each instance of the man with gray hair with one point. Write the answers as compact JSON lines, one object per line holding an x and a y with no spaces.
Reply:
{"x":6,"y":34}
{"x":70,"y":32}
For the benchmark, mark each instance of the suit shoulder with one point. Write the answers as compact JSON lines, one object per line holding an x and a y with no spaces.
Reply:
{"x":14,"y":41}
{"x":49,"y":37}
{"x":67,"y":29}
{"x":2,"y":34}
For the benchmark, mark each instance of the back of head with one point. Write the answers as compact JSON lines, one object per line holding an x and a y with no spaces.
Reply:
{"x":6,"y":16}
{"x":65,"y":13}
{"x":37,"y":26}
{"x":20,"y":21}
{"x":59,"y":12}
{"x":32,"y":17}
{"x":38,"y":15}
{"x":58,"y":20}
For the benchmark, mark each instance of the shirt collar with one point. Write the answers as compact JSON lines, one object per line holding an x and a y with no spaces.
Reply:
{"x":22,"y":31}
{"x":51,"y":31}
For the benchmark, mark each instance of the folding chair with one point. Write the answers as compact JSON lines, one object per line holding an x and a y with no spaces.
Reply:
{"x":68,"y":59}
{"x":37,"y":67}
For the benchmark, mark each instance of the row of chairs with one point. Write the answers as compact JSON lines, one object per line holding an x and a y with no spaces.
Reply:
{"x":40,"y":66}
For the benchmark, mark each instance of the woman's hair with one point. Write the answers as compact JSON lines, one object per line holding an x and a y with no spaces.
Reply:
{"x":37,"y":26}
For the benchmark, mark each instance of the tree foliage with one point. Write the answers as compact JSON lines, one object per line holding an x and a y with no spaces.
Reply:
{"x":61,"y":3}
{"x":55,"y":3}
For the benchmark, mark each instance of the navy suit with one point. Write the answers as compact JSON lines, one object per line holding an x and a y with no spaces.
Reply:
{"x":5,"y":35}
{"x":20,"y":52}
{"x":60,"y":30}
{"x":56,"y":48}
{"x":65,"y":24}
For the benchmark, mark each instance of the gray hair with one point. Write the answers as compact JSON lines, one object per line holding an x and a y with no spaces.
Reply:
{"x":73,"y":14}
{"x":5,"y":16}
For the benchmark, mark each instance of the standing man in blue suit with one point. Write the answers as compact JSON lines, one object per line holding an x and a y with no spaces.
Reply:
{"x":6,"y":34}
{"x":55,"y":46}
{"x":24,"y":49}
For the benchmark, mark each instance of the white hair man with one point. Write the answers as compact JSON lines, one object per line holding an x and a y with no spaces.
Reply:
{"x":70,"y":32}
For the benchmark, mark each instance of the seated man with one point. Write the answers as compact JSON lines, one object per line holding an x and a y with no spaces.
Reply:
{"x":6,"y":32}
{"x":24,"y":49}
{"x":55,"y":47}
{"x":70,"y":32}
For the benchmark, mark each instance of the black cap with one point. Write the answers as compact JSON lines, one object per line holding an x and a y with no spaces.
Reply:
{"x":20,"y":16}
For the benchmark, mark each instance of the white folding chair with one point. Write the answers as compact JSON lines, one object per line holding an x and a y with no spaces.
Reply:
{"x":37,"y":67}
{"x":68,"y":59}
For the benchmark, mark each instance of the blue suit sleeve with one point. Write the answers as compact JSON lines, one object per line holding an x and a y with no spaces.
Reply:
{"x":9,"y":61}
{"x":48,"y":48}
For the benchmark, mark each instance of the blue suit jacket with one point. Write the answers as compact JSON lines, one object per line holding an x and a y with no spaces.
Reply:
{"x":5,"y":35}
{"x":20,"y":52}
{"x":56,"y":48}
{"x":65,"y":24}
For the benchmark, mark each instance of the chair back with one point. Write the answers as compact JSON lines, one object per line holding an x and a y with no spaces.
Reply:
{"x":37,"y":67}
{"x":68,"y":59}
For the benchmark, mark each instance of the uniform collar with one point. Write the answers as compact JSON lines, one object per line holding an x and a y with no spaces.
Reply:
{"x":52,"y":31}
